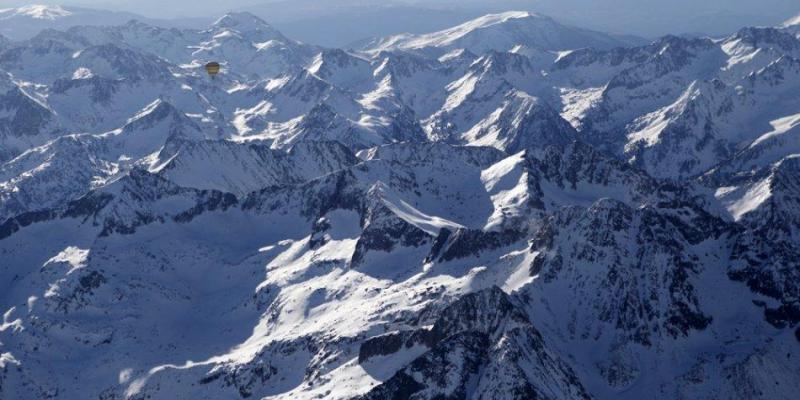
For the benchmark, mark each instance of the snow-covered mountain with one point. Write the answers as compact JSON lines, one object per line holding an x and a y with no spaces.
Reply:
{"x":508,"y":209}
{"x":25,"y":22}
{"x":501,"y":32}
{"x":792,"y":24}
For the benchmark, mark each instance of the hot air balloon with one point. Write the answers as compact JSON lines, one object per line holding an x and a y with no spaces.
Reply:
{"x":212,"y":68}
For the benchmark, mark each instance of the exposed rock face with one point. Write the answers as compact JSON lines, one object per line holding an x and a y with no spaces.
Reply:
{"x":649,"y":268}
{"x":482,"y":346}
{"x":765,"y":253}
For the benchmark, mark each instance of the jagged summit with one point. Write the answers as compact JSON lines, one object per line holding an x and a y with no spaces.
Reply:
{"x":156,"y":112}
{"x":243,"y":22}
{"x":766,"y":37}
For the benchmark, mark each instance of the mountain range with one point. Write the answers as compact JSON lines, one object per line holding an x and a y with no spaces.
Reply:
{"x":25,"y":22}
{"x":511,"y":208}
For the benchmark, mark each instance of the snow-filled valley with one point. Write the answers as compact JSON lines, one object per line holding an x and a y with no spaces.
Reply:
{"x":508,"y":209}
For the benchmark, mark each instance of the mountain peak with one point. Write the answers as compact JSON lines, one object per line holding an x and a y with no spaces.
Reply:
{"x":500,"y":62}
{"x":500,"y":32}
{"x":158,"y":110}
{"x":491,"y":19}
{"x":247,"y":28}
{"x":38,"y":11}
{"x":242,"y":22}
{"x":794,"y":21}
{"x":787,"y":169}
{"x":765,"y":37}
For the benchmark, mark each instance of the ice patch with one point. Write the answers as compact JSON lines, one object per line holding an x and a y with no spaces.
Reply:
{"x":430,"y":224}
{"x":742,"y":200}
{"x":522,"y":276}
{"x":794,"y":21}
{"x":7,"y":359}
{"x":577,"y":102}
{"x":779,"y":127}
{"x":82,"y":73}
{"x":506,"y":183}
{"x":562,"y":54}
{"x":504,"y":175}
{"x":74,"y":256}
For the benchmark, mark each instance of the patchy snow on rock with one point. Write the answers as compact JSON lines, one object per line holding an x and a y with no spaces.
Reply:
{"x":740,"y":201}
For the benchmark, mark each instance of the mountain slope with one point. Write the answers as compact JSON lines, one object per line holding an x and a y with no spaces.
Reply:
{"x":26,"y":119}
{"x":495,"y":353}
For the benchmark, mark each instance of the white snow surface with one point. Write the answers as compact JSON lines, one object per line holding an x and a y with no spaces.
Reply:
{"x":501,"y":32}
{"x":794,"y":21}
{"x":36,"y":11}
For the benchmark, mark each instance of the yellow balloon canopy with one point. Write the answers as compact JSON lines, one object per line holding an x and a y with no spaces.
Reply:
{"x":212,"y":68}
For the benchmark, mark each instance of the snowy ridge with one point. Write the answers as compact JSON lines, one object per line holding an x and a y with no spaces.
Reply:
{"x":24,"y":22}
{"x":241,"y":168}
{"x":500,"y":32}
{"x":794,"y":21}
{"x":66,"y":168}
{"x":37,"y":12}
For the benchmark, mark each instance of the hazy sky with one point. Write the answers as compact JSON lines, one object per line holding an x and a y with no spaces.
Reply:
{"x":150,"y":8}
{"x":641,"y":17}
{"x":198,"y":7}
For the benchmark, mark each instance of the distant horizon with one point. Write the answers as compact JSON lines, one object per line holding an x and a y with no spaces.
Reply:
{"x":645,"y":18}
